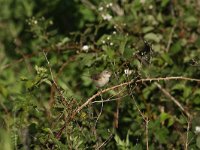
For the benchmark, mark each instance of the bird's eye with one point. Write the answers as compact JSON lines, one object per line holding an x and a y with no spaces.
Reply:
{"x":107,"y":72}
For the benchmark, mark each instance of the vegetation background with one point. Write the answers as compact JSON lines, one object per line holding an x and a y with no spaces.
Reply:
{"x":49,"y":50}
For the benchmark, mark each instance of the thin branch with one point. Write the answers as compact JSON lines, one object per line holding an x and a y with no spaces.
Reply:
{"x":99,"y":112}
{"x":173,"y":99}
{"x":105,"y":142}
{"x":110,"y":100}
{"x":168,"y":78}
{"x":170,"y":38}
{"x":187,"y":135}
{"x":52,"y":77}
{"x":147,"y":132}
{"x":144,"y":117}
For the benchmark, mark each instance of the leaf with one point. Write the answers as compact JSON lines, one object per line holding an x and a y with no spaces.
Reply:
{"x":122,"y":46}
{"x":164,"y":116}
{"x":128,"y":53}
{"x":175,"y":48}
{"x":153,"y":37}
{"x":164,"y":3}
{"x":198,"y":141}
{"x":162,"y":135}
{"x":110,"y":52}
{"x":167,"y":58}
{"x":147,"y":29}
{"x":3,"y":91}
{"x":86,"y":59}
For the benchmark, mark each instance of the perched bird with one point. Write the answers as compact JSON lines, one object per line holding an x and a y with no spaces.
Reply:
{"x":102,"y":78}
{"x":144,"y":55}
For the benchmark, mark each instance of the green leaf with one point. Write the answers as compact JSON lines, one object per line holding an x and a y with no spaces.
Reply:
{"x":164,"y":116}
{"x":198,"y":141}
{"x":128,"y":53}
{"x":109,"y":51}
{"x":162,"y":135}
{"x":175,"y":48}
{"x":167,"y":58}
{"x":153,"y":37}
{"x":3,"y":91}
{"x":164,"y":3}
{"x":147,"y":29}
{"x":122,"y":46}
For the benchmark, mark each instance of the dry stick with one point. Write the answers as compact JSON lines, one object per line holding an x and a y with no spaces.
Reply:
{"x":114,"y":87}
{"x":173,"y":99}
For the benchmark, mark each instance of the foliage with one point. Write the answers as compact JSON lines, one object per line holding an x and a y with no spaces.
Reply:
{"x":49,"y":50}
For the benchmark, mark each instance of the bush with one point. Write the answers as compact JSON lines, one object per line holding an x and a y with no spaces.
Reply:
{"x":49,"y":50}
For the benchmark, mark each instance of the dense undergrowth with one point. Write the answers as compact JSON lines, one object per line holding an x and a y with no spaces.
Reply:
{"x":49,"y":50}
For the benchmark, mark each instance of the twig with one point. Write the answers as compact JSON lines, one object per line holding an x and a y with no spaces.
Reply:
{"x":144,"y":117}
{"x":52,"y":77}
{"x":170,"y":38}
{"x":187,"y":135}
{"x":105,"y":142}
{"x":100,"y":112}
{"x":173,"y":99}
{"x":168,"y":78}
{"x":110,"y":100}
{"x":147,"y":132}
{"x":89,"y":4}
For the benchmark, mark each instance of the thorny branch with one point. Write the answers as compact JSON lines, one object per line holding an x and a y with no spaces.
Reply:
{"x":76,"y":111}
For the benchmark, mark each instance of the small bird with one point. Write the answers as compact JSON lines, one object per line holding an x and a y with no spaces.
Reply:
{"x":102,"y":78}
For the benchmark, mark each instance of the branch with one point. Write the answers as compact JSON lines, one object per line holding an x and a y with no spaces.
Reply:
{"x":173,"y":99}
{"x":76,"y":111}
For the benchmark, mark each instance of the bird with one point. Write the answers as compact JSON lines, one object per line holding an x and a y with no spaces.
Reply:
{"x":101,"y":79}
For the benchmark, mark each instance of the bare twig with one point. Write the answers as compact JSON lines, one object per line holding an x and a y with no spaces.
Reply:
{"x":173,"y":99}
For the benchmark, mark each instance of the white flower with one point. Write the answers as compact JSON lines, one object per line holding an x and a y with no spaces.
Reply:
{"x":35,"y":21}
{"x":85,"y":48}
{"x":128,"y":72}
{"x":108,"y":38}
{"x":151,"y":7}
{"x":111,"y":44}
{"x":197,"y":129}
{"x":106,"y":17}
{"x":114,"y":32}
{"x":100,"y":8}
